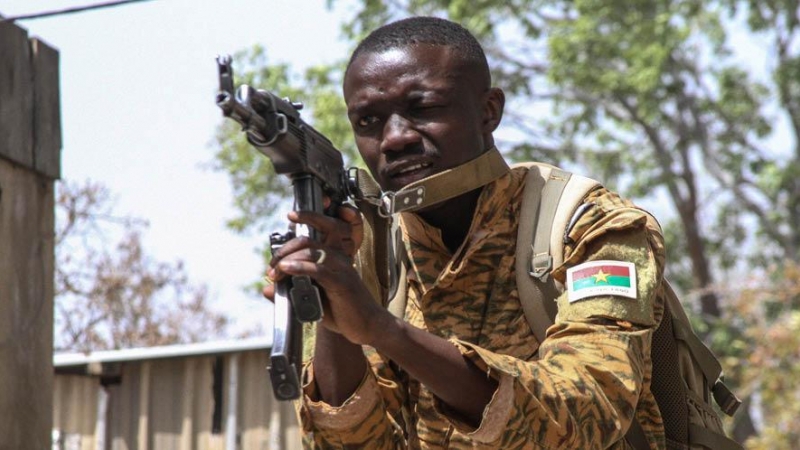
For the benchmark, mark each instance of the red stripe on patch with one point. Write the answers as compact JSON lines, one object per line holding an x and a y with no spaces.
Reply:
{"x":608,"y":270}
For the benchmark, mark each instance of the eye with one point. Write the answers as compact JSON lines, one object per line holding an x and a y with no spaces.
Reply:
{"x":425,"y":109}
{"x":366,"y":121}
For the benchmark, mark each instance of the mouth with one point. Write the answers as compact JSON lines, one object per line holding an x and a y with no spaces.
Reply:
{"x":409,"y":171}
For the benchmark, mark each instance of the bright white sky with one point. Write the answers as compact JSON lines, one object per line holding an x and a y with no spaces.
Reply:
{"x":138,"y":115}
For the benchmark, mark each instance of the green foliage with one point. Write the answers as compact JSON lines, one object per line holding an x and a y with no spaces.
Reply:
{"x":761,"y":335}
{"x":679,"y":270}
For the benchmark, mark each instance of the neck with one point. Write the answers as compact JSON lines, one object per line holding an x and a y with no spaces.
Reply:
{"x":453,"y":218}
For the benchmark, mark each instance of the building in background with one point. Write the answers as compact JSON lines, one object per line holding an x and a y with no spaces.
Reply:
{"x":209,"y":396}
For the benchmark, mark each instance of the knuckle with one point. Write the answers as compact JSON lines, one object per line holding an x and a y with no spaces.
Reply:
{"x":305,"y":241}
{"x":276,"y":257}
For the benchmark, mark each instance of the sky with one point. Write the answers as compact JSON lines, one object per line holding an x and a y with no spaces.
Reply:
{"x":138,"y":83}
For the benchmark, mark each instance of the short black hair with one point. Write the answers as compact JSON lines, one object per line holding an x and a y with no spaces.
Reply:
{"x":425,"y":30}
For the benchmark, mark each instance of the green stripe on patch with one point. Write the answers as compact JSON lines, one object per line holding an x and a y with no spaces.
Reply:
{"x":590,"y":282}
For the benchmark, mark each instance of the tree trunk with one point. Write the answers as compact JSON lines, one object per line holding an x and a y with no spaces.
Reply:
{"x":703,"y":280}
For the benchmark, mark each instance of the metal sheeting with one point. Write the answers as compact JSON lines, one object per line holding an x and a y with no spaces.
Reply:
{"x":75,"y":407}
{"x":169,"y":403}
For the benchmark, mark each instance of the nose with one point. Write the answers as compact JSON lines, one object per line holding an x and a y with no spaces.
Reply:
{"x":398,"y":133}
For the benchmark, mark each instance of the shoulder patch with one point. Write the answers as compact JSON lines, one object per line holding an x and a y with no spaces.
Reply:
{"x":605,"y":277}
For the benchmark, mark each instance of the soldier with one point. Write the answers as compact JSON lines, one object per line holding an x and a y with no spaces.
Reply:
{"x":463,"y":369}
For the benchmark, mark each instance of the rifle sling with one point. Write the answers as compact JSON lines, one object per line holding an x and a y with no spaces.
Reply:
{"x":448,"y":184}
{"x":374,"y":262}
{"x":378,"y":208}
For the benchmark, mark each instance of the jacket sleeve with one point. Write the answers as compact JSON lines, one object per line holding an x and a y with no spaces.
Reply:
{"x":594,"y":367}
{"x":370,"y":418}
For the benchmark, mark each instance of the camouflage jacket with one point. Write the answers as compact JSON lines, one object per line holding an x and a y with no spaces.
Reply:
{"x":579,"y":389}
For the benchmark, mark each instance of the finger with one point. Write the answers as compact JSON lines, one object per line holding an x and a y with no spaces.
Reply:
{"x":313,"y":256}
{"x":299,"y":267}
{"x":351,"y":215}
{"x":314,"y":262}
{"x":292,"y":246}
{"x":268,"y":291}
{"x":318,"y":221}
{"x":273,"y":276}
{"x":334,"y":232}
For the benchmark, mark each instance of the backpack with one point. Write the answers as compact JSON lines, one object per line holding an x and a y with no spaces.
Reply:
{"x":686,"y":374}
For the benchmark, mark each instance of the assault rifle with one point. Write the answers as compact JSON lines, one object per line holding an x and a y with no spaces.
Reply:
{"x":316,"y":169}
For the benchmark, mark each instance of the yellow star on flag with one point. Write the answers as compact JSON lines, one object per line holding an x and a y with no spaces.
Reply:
{"x":600,"y":276}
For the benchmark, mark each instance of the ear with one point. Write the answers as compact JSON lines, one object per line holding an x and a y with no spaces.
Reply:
{"x":494,"y":101}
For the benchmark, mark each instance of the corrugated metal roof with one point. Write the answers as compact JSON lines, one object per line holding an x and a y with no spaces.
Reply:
{"x":166,"y":351}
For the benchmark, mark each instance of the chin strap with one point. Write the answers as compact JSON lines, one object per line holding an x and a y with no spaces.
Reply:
{"x":377,"y":262}
{"x":447,"y":184}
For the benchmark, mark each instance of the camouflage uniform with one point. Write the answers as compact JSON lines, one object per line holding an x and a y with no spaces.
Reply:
{"x":580,"y":390}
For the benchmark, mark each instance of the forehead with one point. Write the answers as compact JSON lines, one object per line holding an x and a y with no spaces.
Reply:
{"x":423,"y":65}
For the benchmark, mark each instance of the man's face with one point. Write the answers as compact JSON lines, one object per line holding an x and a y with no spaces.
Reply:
{"x":415,"y":111}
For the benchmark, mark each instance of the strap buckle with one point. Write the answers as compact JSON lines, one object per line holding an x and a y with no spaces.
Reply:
{"x":402,"y":200}
{"x":541,"y":265}
{"x":728,"y":401}
{"x":386,"y":205}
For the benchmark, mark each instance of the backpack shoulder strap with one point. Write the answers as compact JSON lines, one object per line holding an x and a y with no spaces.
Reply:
{"x":399,"y":297}
{"x":550,"y":198}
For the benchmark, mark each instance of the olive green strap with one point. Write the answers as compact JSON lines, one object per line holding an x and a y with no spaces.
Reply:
{"x":541,"y":255}
{"x":550,"y":199}
{"x":710,"y":439}
{"x":532,"y":298}
{"x":399,"y":299}
{"x":447,"y":184}
{"x":705,"y":359}
{"x":712,"y":371}
{"x":375,"y":259}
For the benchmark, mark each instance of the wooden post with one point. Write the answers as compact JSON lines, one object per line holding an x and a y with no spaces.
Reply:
{"x":143,"y":430}
{"x":30,"y":148}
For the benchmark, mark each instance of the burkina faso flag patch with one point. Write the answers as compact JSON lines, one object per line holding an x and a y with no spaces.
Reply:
{"x":595,"y":278}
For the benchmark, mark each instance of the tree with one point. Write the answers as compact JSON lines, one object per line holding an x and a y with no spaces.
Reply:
{"x":112,"y":296}
{"x":762,"y":355}
{"x":653,"y":97}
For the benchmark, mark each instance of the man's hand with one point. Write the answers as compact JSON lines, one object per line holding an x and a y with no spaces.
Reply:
{"x":349,"y":308}
{"x":351,"y":313}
